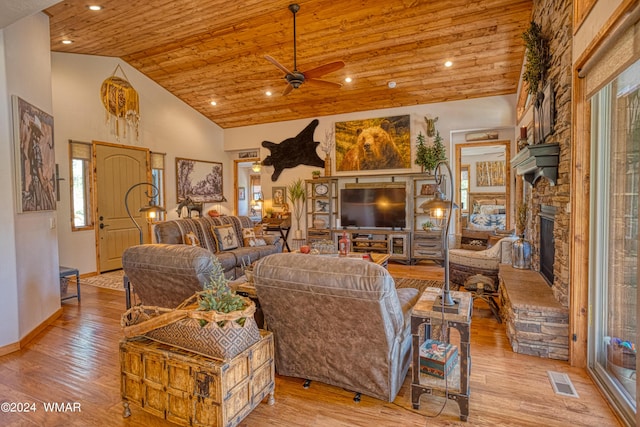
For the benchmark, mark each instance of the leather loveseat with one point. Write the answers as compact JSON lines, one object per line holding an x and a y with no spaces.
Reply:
{"x":231,"y":258}
{"x":339,"y":321}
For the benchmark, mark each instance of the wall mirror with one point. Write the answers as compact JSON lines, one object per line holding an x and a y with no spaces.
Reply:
{"x":482,"y":191}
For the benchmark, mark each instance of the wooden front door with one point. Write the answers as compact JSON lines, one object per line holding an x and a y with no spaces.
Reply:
{"x":117,"y":168}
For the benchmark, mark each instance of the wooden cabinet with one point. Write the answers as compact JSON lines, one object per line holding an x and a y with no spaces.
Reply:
{"x":189,"y":389}
{"x":321,"y":208}
{"x":427,"y":245}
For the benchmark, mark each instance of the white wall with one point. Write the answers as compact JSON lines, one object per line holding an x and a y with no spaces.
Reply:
{"x":29,"y":273}
{"x":167,"y":125}
{"x":473,"y":114}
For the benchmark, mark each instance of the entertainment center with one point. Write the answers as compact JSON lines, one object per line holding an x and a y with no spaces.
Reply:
{"x":378,"y":213}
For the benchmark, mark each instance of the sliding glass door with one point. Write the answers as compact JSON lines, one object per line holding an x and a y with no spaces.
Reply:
{"x":615,"y":176}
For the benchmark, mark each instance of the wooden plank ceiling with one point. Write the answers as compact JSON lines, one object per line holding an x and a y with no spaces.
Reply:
{"x":213,"y":50}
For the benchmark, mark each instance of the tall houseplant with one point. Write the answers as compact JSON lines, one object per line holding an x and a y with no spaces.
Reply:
{"x":298,"y":196}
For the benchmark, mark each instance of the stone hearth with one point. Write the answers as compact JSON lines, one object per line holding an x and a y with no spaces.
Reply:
{"x":537,"y":324}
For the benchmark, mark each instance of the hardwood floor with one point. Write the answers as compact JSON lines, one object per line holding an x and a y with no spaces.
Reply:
{"x":76,"y":360}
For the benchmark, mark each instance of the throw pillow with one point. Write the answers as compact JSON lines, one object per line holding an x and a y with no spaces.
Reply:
{"x":191,"y":239}
{"x":226,"y":238}
{"x":249,"y":236}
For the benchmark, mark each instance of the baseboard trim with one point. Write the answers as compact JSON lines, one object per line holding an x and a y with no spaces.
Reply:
{"x":10,"y":348}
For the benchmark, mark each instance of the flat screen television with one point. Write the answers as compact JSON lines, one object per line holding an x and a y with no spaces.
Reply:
{"x":373,"y":207}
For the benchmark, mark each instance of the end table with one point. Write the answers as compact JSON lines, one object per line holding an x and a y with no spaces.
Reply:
{"x":70,"y":271}
{"x":424,"y":316}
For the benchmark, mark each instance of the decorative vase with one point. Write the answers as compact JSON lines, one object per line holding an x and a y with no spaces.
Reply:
{"x":298,"y":234}
{"x":521,"y":254}
{"x":327,"y":166}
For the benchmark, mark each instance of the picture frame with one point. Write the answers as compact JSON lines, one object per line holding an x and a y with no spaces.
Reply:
{"x":34,"y":152}
{"x":199,"y":180}
{"x":322,"y":206}
{"x":257,"y":195}
{"x":392,"y":148}
{"x":278,"y":196}
{"x":428,"y":189}
{"x":490,"y":173}
{"x":248,"y":154}
{"x":481,"y":136}
{"x":544,"y":114}
{"x":241,"y":193}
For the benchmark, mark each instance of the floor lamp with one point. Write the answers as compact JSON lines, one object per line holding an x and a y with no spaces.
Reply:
{"x":441,"y":209}
{"x":151,"y":210}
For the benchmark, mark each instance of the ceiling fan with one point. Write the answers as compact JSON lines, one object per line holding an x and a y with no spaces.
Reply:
{"x":295,"y":78}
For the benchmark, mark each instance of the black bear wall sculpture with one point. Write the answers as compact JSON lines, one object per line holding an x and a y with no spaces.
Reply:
{"x":295,"y":151}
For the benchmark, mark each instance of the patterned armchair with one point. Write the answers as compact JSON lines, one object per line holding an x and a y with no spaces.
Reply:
{"x":464,"y":263}
{"x":477,"y":271}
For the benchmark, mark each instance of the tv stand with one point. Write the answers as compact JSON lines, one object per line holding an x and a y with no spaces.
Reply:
{"x":396,"y":243}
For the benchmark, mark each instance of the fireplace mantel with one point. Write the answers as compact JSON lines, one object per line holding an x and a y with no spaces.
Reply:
{"x":535,"y":161}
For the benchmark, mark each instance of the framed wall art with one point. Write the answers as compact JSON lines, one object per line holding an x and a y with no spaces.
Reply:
{"x":490,"y":174}
{"x":241,"y":193}
{"x":34,"y":157}
{"x":373,"y":144}
{"x":543,"y":114}
{"x":199,"y":180}
{"x":279,"y":196}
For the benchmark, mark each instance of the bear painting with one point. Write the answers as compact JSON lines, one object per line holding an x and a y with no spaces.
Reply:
{"x":373,"y":144}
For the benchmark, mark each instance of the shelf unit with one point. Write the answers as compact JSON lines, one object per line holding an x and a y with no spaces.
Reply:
{"x":392,"y":242}
{"x":321,"y":208}
{"x":425,"y":244}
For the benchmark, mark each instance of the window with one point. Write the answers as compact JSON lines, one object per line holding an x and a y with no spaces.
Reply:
{"x":157,"y":178}
{"x":464,"y":188}
{"x":615,"y":147}
{"x":80,"y":173}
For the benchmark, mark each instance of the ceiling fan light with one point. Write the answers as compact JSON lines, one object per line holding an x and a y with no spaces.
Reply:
{"x":256,"y":166}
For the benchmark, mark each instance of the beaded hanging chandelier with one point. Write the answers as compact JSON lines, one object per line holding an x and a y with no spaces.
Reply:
{"x":121,"y":103}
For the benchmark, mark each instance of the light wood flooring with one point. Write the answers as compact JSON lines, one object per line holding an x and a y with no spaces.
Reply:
{"x":76,"y":360}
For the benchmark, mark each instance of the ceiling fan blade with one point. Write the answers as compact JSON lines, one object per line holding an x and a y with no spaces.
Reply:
{"x":323,"y":83}
{"x":323,"y":69}
{"x":277,"y":64}
{"x":287,"y":90}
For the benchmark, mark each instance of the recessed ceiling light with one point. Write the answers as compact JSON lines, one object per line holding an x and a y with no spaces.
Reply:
{"x":95,"y":7}
{"x":67,"y":41}
{"x":268,"y":93}
{"x":448,"y":64}
{"x":348,"y":80}
{"x":391,"y":85}
{"x":214,"y":103}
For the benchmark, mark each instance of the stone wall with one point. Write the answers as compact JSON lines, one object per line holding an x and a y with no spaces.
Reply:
{"x":555,"y":17}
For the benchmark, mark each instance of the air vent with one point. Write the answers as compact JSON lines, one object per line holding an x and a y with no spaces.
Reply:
{"x":562,"y":384}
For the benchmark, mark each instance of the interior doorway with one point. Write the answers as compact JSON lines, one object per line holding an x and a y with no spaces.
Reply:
{"x":117,"y":168}
{"x":249,"y":199}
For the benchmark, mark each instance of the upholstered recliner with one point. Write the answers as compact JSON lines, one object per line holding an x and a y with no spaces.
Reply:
{"x":339,"y":321}
{"x":165,"y":275}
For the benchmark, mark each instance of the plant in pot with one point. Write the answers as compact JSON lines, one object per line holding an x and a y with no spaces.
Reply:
{"x":215,"y":322}
{"x":428,"y":225}
{"x":315,"y":174}
{"x":298,"y":196}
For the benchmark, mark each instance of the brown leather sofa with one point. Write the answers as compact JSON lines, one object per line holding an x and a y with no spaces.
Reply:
{"x":339,"y":321}
{"x":174,"y":231}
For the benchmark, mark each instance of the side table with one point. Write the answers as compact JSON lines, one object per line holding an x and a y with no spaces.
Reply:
{"x":425,"y":316}
{"x":70,"y":271}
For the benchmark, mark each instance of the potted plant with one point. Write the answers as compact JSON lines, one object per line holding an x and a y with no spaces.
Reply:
{"x":429,"y":156}
{"x":298,"y":196}
{"x":315,"y":174}
{"x":214,"y":322}
{"x":428,"y":225}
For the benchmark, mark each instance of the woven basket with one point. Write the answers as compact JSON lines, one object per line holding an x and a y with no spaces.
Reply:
{"x":181,"y":328}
